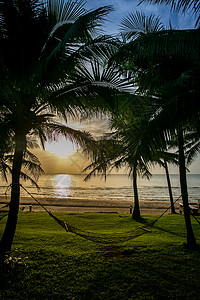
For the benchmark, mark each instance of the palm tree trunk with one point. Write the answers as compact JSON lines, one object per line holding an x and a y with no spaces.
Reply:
{"x":169,"y":188}
{"x":9,"y":232}
{"x":191,"y":241}
{"x":136,"y":209}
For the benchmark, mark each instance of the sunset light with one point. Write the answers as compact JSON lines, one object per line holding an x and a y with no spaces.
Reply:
{"x":100,"y":149}
{"x":62,"y":184}
{"x":61,"y":148}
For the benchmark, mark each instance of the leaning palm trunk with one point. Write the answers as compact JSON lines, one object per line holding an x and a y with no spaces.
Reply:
{"x":136,"y":209}
{"x":9,"y":232}
{"x":169,"y":188}
{"x":191,"y":241}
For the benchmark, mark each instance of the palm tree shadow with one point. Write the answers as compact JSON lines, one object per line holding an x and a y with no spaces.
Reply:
{"x":151,"y":225}
{"x":144,"y":221}
{"x":169,"y":231}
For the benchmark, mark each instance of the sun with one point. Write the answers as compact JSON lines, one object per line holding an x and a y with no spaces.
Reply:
{"x":62,"y":148}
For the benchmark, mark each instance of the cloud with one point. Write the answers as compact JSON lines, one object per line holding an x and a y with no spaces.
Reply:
{"x":53,"y":164}
{"x":124,"y":7}
{"x":96,"y":126}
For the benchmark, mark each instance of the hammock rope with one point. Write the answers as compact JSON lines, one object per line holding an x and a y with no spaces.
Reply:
{"x":165,"y":211}
{"x":195,"y":218}
{"x":95,"y":237}
{"x":5,"y":206}
{"x":5,"y":213}
{"x":103,"y":238}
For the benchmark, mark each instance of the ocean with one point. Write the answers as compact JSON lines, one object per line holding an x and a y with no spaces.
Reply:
{"x":116,"y":188}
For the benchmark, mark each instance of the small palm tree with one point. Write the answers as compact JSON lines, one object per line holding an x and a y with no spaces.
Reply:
{"x":128,"y":146}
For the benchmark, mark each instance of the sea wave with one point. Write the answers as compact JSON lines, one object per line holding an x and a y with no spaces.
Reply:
{"x":116,"y":188}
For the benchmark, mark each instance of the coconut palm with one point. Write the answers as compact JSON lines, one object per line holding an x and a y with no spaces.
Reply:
{"x":113,"y":153}
{"x":172,"y":118}
{"x":165,"y":65}
{"x":127,"y":146}
{"x":137,"y":24}
{"x":44,"y":45}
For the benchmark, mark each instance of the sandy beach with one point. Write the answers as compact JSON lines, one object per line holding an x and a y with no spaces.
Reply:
{"x":78,"y":206}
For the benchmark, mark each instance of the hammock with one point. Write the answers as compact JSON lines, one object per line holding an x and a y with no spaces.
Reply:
{"x":101,"y":237}
{"x":96,"y":237}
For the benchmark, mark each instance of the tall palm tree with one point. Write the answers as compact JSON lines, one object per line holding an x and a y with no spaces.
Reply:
{"x":171,"y":118}
{"x":165,"y":65}
{"x":43,"y":44}
{"x":135,"y":25}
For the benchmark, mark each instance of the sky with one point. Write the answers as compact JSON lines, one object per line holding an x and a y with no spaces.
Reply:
{"x":63,"y":157}
{"x":123,"y":7}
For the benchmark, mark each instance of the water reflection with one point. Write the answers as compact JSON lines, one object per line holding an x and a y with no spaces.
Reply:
{"x":62,"y":184}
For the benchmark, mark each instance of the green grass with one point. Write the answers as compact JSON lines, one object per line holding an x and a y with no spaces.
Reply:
{"x":61,"y":265}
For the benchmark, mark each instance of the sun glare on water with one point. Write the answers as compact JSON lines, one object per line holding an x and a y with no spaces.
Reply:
{"x":62,"y":184}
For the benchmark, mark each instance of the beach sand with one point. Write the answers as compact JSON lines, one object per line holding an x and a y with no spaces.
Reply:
{"x":79,"y":206}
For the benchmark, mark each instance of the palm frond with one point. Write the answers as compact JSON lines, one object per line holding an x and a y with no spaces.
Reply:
{"x":191,"y":145}
{"x":182,"y":6}
{"x":97,"y":168}
{"x":82,"y":28}
{"x":193,"y":152}
{"x":26,"y":177}
{"x":61,"y":15}
{"x":154,"y":47}
{"x":4,"y":169}
{"x":52,"y":131}
{"x":29,"y":156}
{"x":32,"y":168}
{"x":137,"y":23}
{"x":63,"y":10}
{"x":92,"y":86}
{"x":20,"y":29}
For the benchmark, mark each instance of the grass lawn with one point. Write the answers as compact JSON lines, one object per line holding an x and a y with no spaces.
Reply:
{"x":49,"y":263}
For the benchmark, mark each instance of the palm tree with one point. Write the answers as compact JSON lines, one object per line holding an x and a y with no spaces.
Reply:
{"x":43,"y":80}
{"x":113,"y":153}
{"x":171,"y":116}
{"x":128,"y":146}
{"x":135,"y":25}
{"x":165,"y":65}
